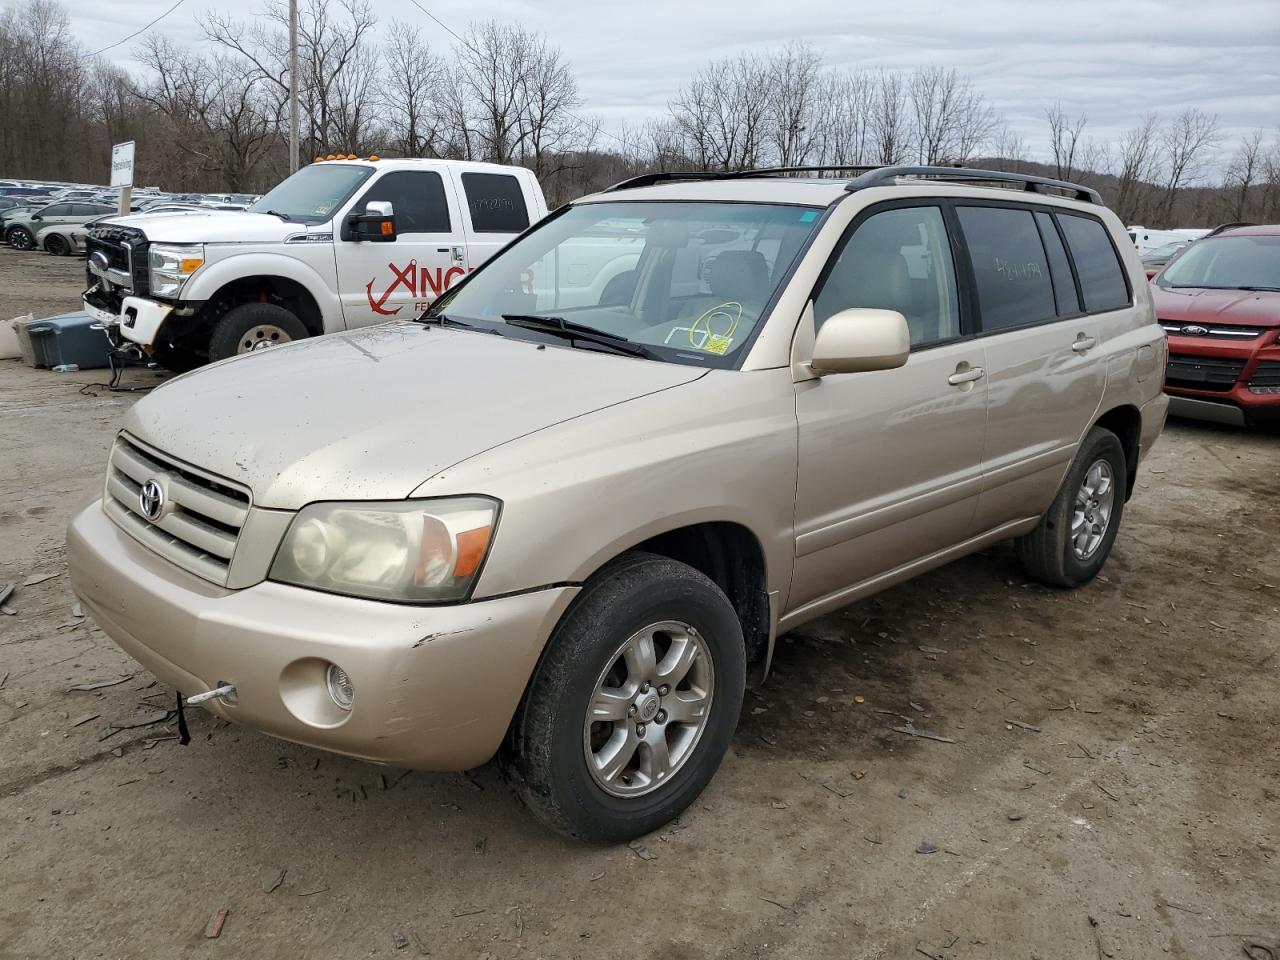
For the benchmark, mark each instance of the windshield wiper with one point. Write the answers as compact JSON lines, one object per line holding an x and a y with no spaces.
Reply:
{"x":444,"y":321}
{"x":276,"y":213}
{"x":570,"y":331}
{"x":1262,"y":289}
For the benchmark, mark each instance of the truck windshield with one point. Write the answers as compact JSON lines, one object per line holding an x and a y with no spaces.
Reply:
{"x":1227,"y":263}
{"x":687,"y":280}
{"x":314,"y":193}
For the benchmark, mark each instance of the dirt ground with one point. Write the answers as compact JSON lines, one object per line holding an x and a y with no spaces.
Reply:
{"x":1132,"y":811}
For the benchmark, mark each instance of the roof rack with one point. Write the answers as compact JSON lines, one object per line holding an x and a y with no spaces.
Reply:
{"x":670,"y":176}
{"x":885,"y":176}
{"x":1228,"y":226}
{"x":874,"y":176}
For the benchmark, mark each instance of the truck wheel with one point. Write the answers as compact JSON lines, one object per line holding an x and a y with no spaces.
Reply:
{"x":253,"y":326}
{"x":634,"y":703}
{"x":20,"y":238}
{"x":57,"y":245}
{"x":1073,"y":539}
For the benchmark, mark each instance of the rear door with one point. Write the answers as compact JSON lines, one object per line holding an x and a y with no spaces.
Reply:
{"x":380,"y":281}
{"x":1045,"y":373}
{"x":497,"y":208}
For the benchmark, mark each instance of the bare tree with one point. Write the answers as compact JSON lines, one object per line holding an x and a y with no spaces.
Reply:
{"x":1010,"y":150}
{"x":1138,"y":164}
{"x":1186,"y":140}
{"x":890,"y":125}
{"x":1243,"y":172}
{"x":721,"y":114}
{"x":411,"y":92}
{"x":1064,"y":140}
{"x":794,"y":77}
{"x":951,"y":118}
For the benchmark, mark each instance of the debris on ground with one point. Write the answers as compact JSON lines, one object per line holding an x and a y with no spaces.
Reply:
{"x":271,"y":882}
{"x":926,"y":847}
{"x":214,"y":929}
{"x":85,"y":719}
{"x":35,"y":578}
{"x":911,"y":731}
{"x":641,"y":851}
{"x":399,"y":940}
{"x":98,"y":684}
{"x":1023,"y":726}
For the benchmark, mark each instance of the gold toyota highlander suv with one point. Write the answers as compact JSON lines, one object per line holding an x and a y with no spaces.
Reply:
{"x":563,"y":516}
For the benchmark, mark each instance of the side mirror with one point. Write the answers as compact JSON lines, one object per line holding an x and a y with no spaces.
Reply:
{"x":861,"y":339}
{"x":376,"y":225}
{"x":36,"y":216}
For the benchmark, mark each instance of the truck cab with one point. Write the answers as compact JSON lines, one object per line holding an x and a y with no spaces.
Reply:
{"x":342,"y":243}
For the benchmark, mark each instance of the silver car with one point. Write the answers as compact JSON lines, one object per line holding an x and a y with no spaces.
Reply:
{"x":563,"y":517}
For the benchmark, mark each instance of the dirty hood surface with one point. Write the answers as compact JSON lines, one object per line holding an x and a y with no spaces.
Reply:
{"x":1255,"y":308}
{"x":372,"y":413}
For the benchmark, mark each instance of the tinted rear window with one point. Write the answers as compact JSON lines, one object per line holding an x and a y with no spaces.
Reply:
{"x":1010,"y":268}
{"x":1064,"y":287}
{"x":1097,"y":266}
{"x":496,"y":203}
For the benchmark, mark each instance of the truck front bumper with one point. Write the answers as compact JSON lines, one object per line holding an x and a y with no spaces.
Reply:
{"x":139,"y":319}
{"x":435,"y":687}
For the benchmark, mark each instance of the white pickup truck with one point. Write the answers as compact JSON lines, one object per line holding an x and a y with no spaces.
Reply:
{"x":341,"y":243}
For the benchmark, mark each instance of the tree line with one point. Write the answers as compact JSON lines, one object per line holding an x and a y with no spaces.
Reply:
{"x":215,"y":117}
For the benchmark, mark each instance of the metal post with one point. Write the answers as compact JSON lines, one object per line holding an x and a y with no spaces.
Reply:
{"x":293,"y":86}
{"x":126,"y":201}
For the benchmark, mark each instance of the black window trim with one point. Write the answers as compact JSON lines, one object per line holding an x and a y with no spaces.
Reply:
{"x":1053,"y":211}
{"x":959,"y":263}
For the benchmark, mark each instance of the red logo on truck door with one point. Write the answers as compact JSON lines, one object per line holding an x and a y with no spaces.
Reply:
{"x":421,"y":284}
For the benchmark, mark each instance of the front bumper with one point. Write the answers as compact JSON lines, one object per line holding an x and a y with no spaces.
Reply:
{"x":1243,"y":400}
{"x":139,"y":319}
{"x":435,"y":687}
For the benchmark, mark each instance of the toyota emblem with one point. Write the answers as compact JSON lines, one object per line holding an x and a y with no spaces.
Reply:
{"x":151,"y":500}
{"x":1194,"y":330}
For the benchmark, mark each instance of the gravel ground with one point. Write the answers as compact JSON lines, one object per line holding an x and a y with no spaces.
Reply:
{"x":1131,"y":811}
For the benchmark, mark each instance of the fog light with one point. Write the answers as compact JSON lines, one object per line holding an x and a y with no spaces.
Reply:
{"x":339,"y":685}
{"x":1264,"y":389}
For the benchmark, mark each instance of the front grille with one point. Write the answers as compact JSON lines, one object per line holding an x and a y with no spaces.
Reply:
{"x":1267,"y":374}
{"x":1211,"y":332}
{"x":1203,"y":373}
{"x":125,"y":273}
{"x":200,"y":522}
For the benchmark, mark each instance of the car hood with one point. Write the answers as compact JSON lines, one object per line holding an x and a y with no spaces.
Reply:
{"x":370,"y":414}
{"x":212,"y":226}
{"x":1198,"y":305}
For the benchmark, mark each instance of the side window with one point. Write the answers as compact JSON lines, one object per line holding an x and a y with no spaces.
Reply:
{"x":1064,"y":287}
{"x":1010,"y":268}
{"x":496,"y":202}
{"x":55,"y":210}
{"x":900,"y":260}
{"x":417,"y":199}
{"x":1101,"y":276}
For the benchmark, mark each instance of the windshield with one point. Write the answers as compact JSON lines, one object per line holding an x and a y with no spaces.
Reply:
{"x":1227,"y":263}
{"x":313,"y":193}
{"x":1168,"y":250}
{"x":688,"y":280}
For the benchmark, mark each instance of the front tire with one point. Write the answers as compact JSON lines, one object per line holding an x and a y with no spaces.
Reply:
{"x":633,"y":705}
{"x":20,"y":238}
{"x":251,"y":327}
{"x":1074,"y":537}
{"x":57,"y":245}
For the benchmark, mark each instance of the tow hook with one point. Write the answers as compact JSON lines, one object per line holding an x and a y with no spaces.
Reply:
{"x":226,"y":693}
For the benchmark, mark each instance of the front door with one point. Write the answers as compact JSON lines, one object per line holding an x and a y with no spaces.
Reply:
{"x":384,"y":281}
{"x":890,"y":461}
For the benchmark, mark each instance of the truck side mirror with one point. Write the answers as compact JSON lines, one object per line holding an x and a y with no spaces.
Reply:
{"x":376,"y":225}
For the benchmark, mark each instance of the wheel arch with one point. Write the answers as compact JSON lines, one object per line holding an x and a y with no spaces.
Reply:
{"x":268,"y":288}
{"x":1125,"y":421}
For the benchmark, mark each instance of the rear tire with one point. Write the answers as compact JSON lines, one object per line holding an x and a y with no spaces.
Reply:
{"x":1074,"y":537}
{"x":254,"y":326}
{"x":642,"y":626}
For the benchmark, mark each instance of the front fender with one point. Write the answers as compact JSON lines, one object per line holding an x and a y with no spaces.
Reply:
{"x":211,"y":278}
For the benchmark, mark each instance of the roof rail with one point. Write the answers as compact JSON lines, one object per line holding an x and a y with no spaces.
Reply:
{"x":885,"y":176}
{"x":669,"y":176}
{"x":1228,"y":226}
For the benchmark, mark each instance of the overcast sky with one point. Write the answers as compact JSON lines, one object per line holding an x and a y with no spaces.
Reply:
{"x":1111,"y":59}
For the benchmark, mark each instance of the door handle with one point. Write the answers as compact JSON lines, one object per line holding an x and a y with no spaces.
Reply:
{"x":1084,"y":343}
{"x":966,"y":376}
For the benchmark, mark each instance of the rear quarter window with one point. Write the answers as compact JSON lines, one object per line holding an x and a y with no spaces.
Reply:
{"x":1010,"y":268}
{"x":496,"y":203}
{"x":1102,"y":281}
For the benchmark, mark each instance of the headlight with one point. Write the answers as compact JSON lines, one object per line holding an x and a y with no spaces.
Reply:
{"x":424,"y":551}
{"x":172,"y":265}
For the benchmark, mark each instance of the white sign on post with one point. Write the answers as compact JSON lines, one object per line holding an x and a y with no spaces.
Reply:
{"x":122,"y":165}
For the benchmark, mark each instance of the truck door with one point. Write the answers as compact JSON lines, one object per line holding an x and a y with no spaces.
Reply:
{"x":382,"y":281}
{"x":497,"y":208}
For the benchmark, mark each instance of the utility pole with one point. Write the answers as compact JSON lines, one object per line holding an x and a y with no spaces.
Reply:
{"x":293,"y":86}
